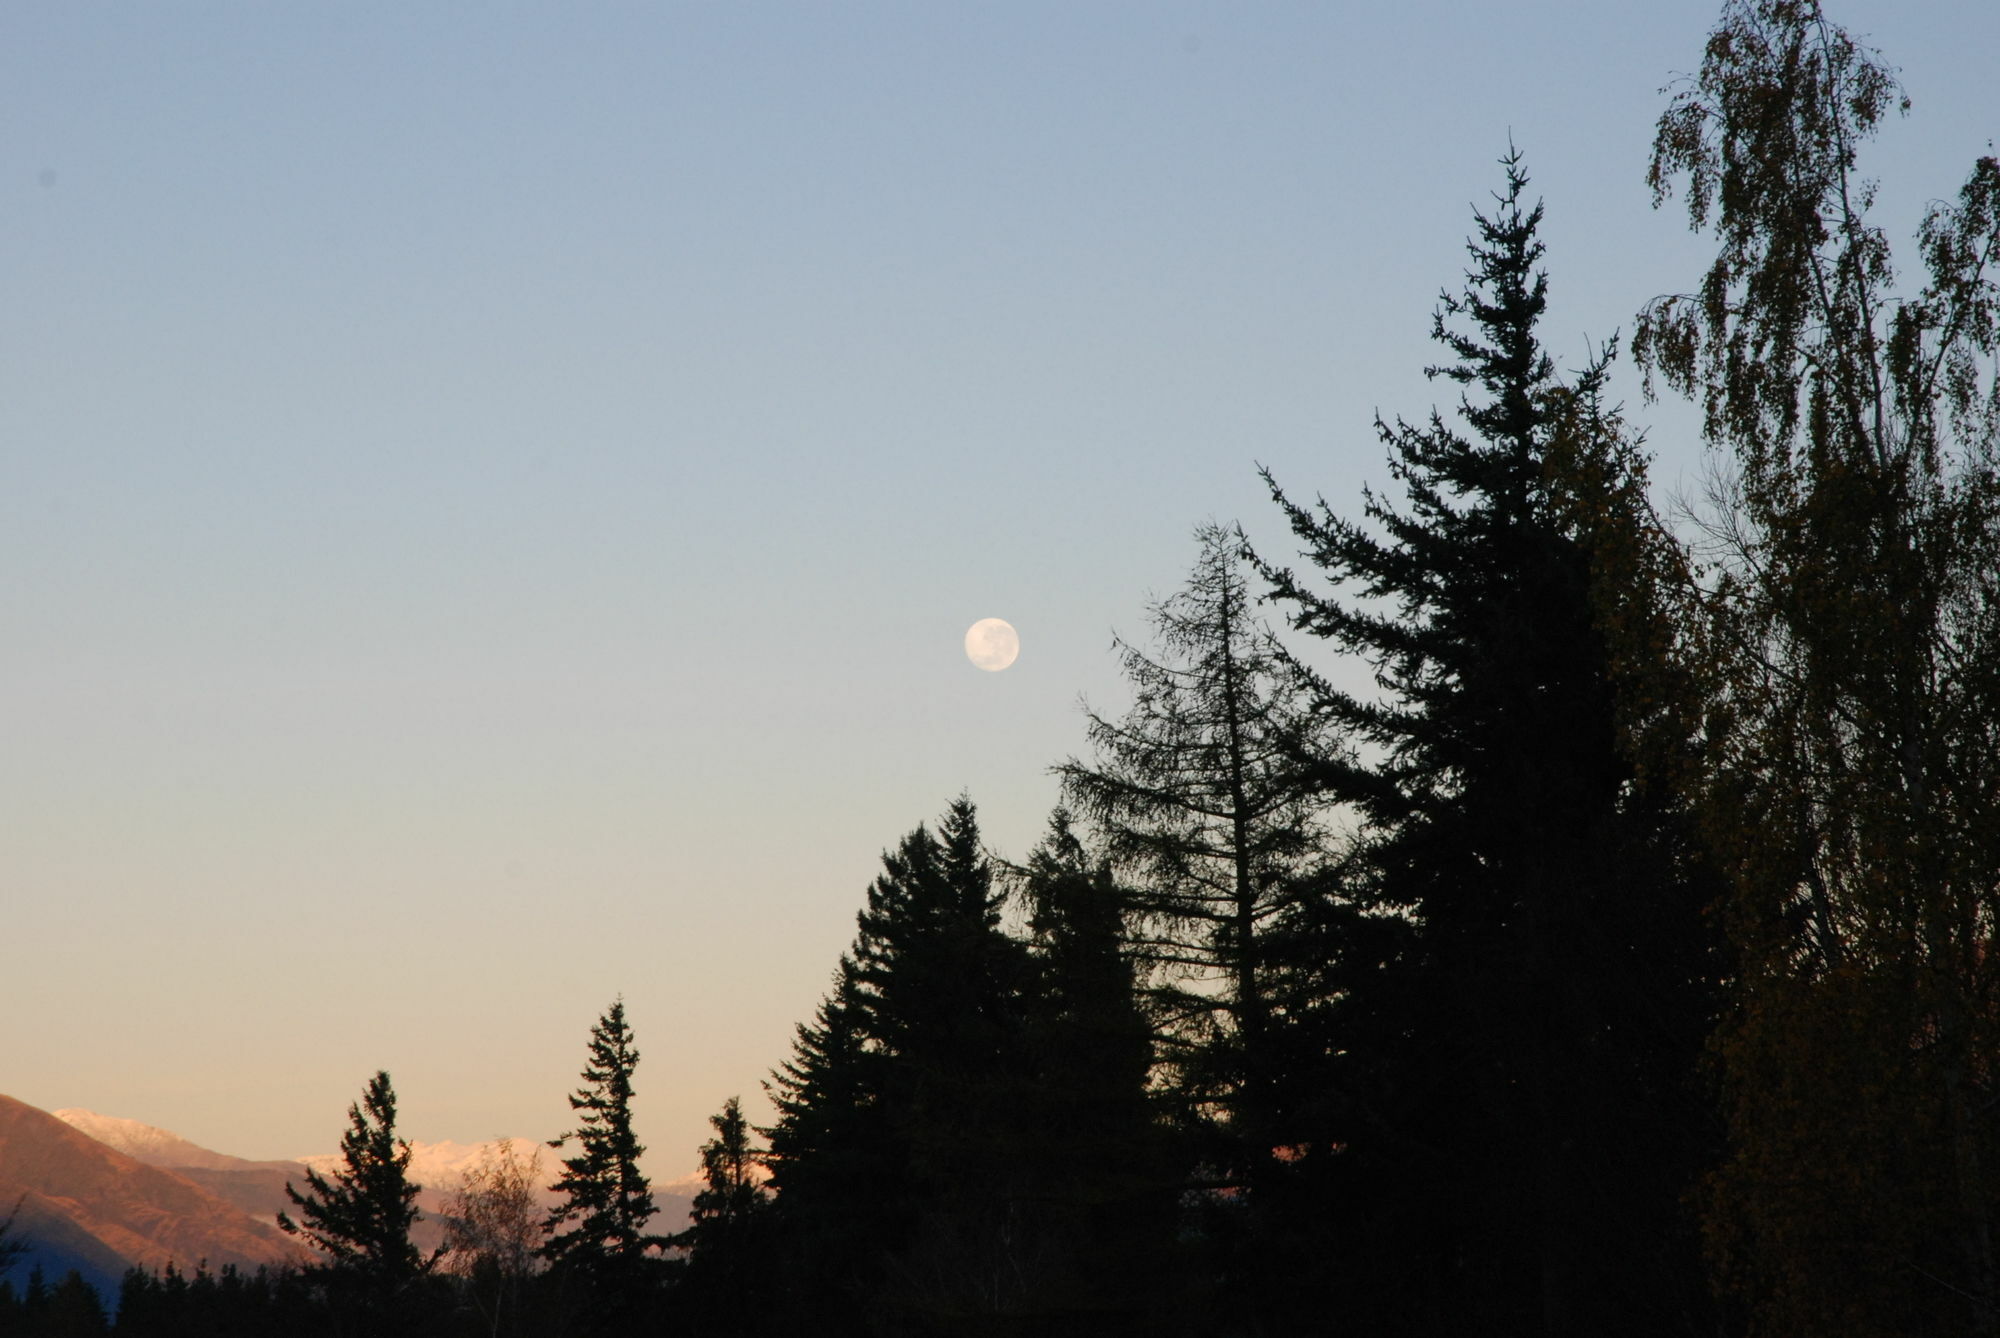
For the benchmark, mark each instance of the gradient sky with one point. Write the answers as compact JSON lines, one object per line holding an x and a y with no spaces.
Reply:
{"x":491,"y":496}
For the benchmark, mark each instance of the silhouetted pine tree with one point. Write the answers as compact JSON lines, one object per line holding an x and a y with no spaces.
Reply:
{"x":946,"y":986}
{"x":75,"y":1310}
{"x":359,"y":1218}
{"x":889,"y":1152}
{"x":837,"y":1163}
{"x":1521,"y":1122}
{"x":1200,"y":802}
{"x":1095,"y":1187}
{"x":726,"y":1284}
{"x":233,"y":1304}
{"x":597,"y":1240}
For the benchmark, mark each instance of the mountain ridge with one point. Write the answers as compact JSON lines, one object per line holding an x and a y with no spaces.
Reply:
{"x":156,"y":1146}
{"x":257,"y":1188}
{"x":85,"y":1204}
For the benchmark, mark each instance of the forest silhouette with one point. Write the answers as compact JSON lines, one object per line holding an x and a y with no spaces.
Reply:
{"x":1568,"y":919}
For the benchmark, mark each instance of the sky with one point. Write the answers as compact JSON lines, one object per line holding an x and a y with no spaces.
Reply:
{"x":491,"y":496}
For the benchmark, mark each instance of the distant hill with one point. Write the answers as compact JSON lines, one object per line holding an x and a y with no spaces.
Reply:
{"x":258,"y":1187}
{"x":86,"y":1205}
{"x":439,"y":1167}
{"x":255,"y":1187}
{"x":158,"y":1147}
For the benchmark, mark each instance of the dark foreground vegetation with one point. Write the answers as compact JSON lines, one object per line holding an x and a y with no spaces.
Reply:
{"x":1609,"y":955}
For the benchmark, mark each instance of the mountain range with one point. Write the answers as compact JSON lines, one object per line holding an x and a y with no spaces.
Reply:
{"x":101,"y":1194}
{"x":82,"y":1204}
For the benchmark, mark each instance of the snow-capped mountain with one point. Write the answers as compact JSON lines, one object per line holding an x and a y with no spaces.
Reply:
{"x":258,"y":1187}
{"x":85,"y":1204}
{"x":99,"y":1194}
{"x":154,"y":1146}
{"x":439,"y":1167}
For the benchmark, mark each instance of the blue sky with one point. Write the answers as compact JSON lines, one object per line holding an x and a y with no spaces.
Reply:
{"x":490,"y":496}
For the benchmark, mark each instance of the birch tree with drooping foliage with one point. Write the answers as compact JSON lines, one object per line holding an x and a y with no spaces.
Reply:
{"x":1854,"y":592}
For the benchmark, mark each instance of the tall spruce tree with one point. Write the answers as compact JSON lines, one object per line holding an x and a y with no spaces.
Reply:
{"x":1095,"y":1188}
{"x":726,"y":1283}
{"x":597,"y":1238}
{"x":837,"y":1163}
{"x":359,"y":1216}
{"x":890,"y":1145}
{"x":732,"y":1192}
{"x":1858,"y":801}
{"x":1523,"y":1118}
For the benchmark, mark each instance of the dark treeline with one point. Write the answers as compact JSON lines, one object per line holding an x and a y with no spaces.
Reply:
{"x":1567,"y":923}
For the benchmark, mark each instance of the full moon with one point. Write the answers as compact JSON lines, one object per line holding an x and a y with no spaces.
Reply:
{"x":991,"y":644}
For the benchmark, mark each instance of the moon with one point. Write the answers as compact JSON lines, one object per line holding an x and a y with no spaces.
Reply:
{"x":992,"y":644}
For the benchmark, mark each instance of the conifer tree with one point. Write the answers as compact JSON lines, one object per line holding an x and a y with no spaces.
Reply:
{"x":1091,"y":1042}
{"x":1202,"y":796}
{"x":1096,"y":1188}
{"x":359,"y":1216}
{"x":1523,"y":1114}
{"x":597,"y":1235}
{"x":837,"y":1164}
{"x":75,"y":1310}
{"x":889,"y":1147}
{"x":726,"y":1283}
{"x":828,"y":1113}
{"x":733,"y":1190}
{"x":1199,"y":798}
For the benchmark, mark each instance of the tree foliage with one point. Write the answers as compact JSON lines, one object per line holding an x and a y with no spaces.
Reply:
{"x":732,"y":1181}
{"x":493,"y":1233}
{"x":960,"y":1128}
{"x":1198,"y":796}
{"x":1094,"y":1188}
{"x":726,"y":1283}
{"x":889,"y":1145}
{"x":597,"y":1235}
{"x":1857,"y":535}
{"x":359,"y":1216}
{"x":1543,"y":978}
